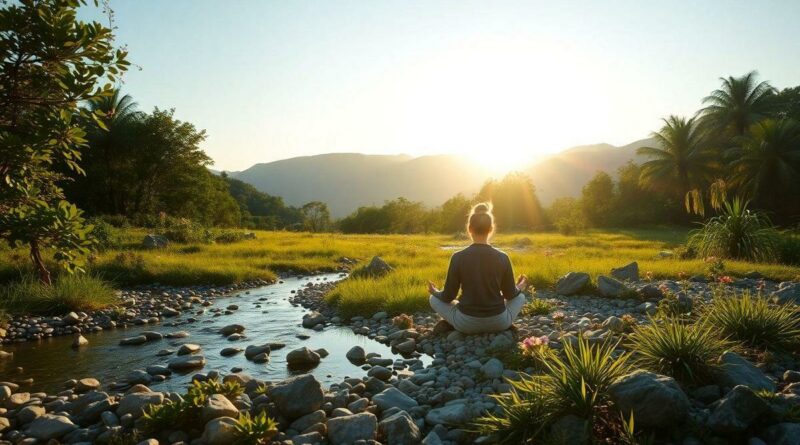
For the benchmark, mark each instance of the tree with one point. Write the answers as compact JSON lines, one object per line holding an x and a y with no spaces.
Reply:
{"x":452,"y":215}
{"x":260,"y":210}
{"x":738,"y":104}
{"x":516,"y":205}
{"x":787,"y":104}
{"x":50,"y":64}
{"x":766,"y":164}
{"x":316,"y":217}
{"x":683,"y":162}
{"x":597,"y":200}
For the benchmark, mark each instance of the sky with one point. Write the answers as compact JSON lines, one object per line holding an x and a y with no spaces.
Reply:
{"x":502,"y":82}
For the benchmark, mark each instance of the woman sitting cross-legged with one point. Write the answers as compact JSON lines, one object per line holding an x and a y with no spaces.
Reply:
{"x":490,"y":299}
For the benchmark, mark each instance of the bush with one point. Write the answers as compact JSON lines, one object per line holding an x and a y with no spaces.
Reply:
{"x":229,"y":236}
{"x":687,"y":352}
{"x":79,"y":291}
{"x":755,"y":322}
{"x":525,"y":413}
{"x":789,"y":248}
{"x":736,"y":233}
{"x":537,"y":306}
{"x":104,"y":234}
{"x":186,"y":231}
{"x":256,"y":430}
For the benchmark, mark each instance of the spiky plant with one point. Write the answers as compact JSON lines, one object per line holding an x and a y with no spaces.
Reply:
{"x":255,"y":430}
{"x":525,"y":413}
{"x":736,"y":232}
{"x":755,"y":322}
{"x":671,"y":346}
{"x":537,"y":306}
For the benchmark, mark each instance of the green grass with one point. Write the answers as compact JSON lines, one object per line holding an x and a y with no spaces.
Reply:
{"x":68,"y":292}
{"x":416,"y":259}
{"x":756,"y":323}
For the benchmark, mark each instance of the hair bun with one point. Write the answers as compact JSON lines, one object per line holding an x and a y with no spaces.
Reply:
{"x":482,"y":208}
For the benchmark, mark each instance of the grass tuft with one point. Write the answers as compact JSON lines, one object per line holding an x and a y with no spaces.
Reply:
{"x":756,"y":323}
{"x":69,"y":292}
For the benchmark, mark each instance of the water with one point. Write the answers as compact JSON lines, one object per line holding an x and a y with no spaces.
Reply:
{"x":50,"y":362}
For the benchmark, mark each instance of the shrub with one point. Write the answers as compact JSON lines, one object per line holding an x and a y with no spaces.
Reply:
{"x":687,"y":352}
{"x":167,"y":416}
{"x":68,"y":292}
{"x":789,"y":248}
{"x":229,"y":236}
{"x":537,"y":306}
{"x":736,"y":233}
{"x":579,"y":380}
{"x":525,"y":413}
{"x":186,"y":231}
{"x":403,"y":321}
{"x":104,"y":234}
{"x":256,"y":430}
{"x":755,"y":322}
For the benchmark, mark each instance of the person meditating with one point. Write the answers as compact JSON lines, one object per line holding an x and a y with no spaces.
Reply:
{"x":490,"y":299}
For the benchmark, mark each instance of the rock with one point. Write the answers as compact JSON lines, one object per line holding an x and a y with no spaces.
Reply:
{"x":152,"y":241}
{"x":378,"y":316}
{"x":570,"y":429}
{"x":356,"y":354}
{"x":572,"y":283}
{"x":177,"y":334}
{"x":302,"y":357}
{"x":614,"y":324}
{"x":349,"y":429}
{"x":87,"y":384}
{"x":610,"y":287}
{"x":227,"y":352}
{"x":79,"y":341}
{"x":455,"y":413}
{"x":135,"y":404}
{"x":629,"y":272}
{"x":311,"y":438}
{"x":651,"y":292}
{"x":737,"y":411}
{"x":71,"y":319}
{"x":50,"y":426}
{"x":407,"y":346}
{"x":188,"y":348}
{"x":297,"y":396}
{"x":313,"y":319}
{"x":261,"y":358}
{"x":158,"y":370}
{"x":790,"y":376}
{"x":782,"y":434}
{"x":217,"y":405}
{"x":133,"y":341}
{"x":738,"y":371}
{"x":220,"y":431}
{"x":393,"y":398}
{"x":492,"y":369}
{"x":432,"y":439}
{"x":657,"y":401}
{"x":231,"y":329}
{"x":28,"y":413}
{"x":187,"y":362}
{"x":380,"y":372}
{"x":647,"y":308}
{"x":168,"y":312}
{"x":788,"y":292}
{"x":376,"y":268}
{"x":308,"y":420}
{"x":138,"y":377}
{"x":399,"y":429}
{"x":254,"y":350}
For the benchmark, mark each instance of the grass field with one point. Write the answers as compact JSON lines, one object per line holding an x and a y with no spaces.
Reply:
{"x":416,"y":258}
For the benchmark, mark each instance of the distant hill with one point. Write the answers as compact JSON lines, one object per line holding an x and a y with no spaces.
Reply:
{"x":565,"y":173}
{"x":346,"y":181}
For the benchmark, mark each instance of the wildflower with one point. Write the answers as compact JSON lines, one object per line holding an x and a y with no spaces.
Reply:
{"x":558,"y":317}
{"x":534,"y":344}
{"x":725,"y":279}
{"x":649,"y":275}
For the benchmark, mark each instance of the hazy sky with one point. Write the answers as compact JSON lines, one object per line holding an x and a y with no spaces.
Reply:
{"x":501,"y":81}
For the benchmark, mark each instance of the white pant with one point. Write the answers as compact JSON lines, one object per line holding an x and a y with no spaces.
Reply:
{"x":478,"y":325}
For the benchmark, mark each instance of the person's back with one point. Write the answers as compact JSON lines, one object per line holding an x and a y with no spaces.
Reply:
{"x":490,"y":300}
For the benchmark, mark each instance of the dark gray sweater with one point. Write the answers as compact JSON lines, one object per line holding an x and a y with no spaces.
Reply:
{"x":485,"y":277}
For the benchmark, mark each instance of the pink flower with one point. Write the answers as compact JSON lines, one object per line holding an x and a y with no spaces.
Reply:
{"x":725,"y":279}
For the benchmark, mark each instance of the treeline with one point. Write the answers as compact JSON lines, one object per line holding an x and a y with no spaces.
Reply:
{"x":139,"y":165}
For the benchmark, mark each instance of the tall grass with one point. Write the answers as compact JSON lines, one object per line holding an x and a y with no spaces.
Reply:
{"x":755,"y":322}
{"x":737,"y":232}
{"x":68,"y":292}
{"x":688,"y":352}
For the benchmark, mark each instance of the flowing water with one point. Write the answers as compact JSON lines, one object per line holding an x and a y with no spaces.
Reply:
{"x":50,"y":362}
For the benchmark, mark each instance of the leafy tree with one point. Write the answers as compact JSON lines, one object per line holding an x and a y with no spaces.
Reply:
{"x":367,"y":219}
{"x":452,"y":215}
{"x":598,"y":199}
{"x":682,"y":162}
{"x":516,"y":205}
{"x":567,"y":215}
{"x":260,"y":210}
{"x":766,"y":165}
{"x":316,"y":216}
{"x":50,"y":64}
{"x":737,"y":104}
{"x":787,"y":104}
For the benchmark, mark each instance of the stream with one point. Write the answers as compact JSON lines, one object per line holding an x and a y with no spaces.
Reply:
{"x":265,"y":312}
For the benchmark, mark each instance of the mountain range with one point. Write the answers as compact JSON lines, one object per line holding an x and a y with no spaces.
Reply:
{"x":346,"y":181}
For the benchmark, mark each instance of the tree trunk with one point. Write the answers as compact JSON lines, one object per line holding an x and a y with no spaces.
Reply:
{"x":41,"y":269}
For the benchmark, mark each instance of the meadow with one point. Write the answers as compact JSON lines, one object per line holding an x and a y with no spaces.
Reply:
{"x":543,"y":257}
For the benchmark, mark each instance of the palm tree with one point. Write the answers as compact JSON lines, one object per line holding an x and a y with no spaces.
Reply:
{"x":737,"y":104}
{"x":765,"y":162}
{"x":682,"y":163}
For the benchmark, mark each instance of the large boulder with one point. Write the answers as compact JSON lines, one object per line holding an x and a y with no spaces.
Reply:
{"x":782,"y":434}
{"x":135,"y":403}
{"x":356,"y":355}
{"x":399,"y":429}
{"x":657,"y":401}
{"x":253,"y":351}
{"x":152,"y":241}
{"x":611,"y":287}
{"x":347,"y":430}
{"x":572,"y":283}
{"x":629,"y":272}
{"x":739,"y":409}
{"x":220,"y":431}
{"x":302,"y":357}
{"x":297,"y":396}
{"x":393,"y":398}
{"x":312,"y":319}
{"x":376,"y":268}
{"x":50,"y":426}
{"x":216,"y":406}
{"x":736,"y":370}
